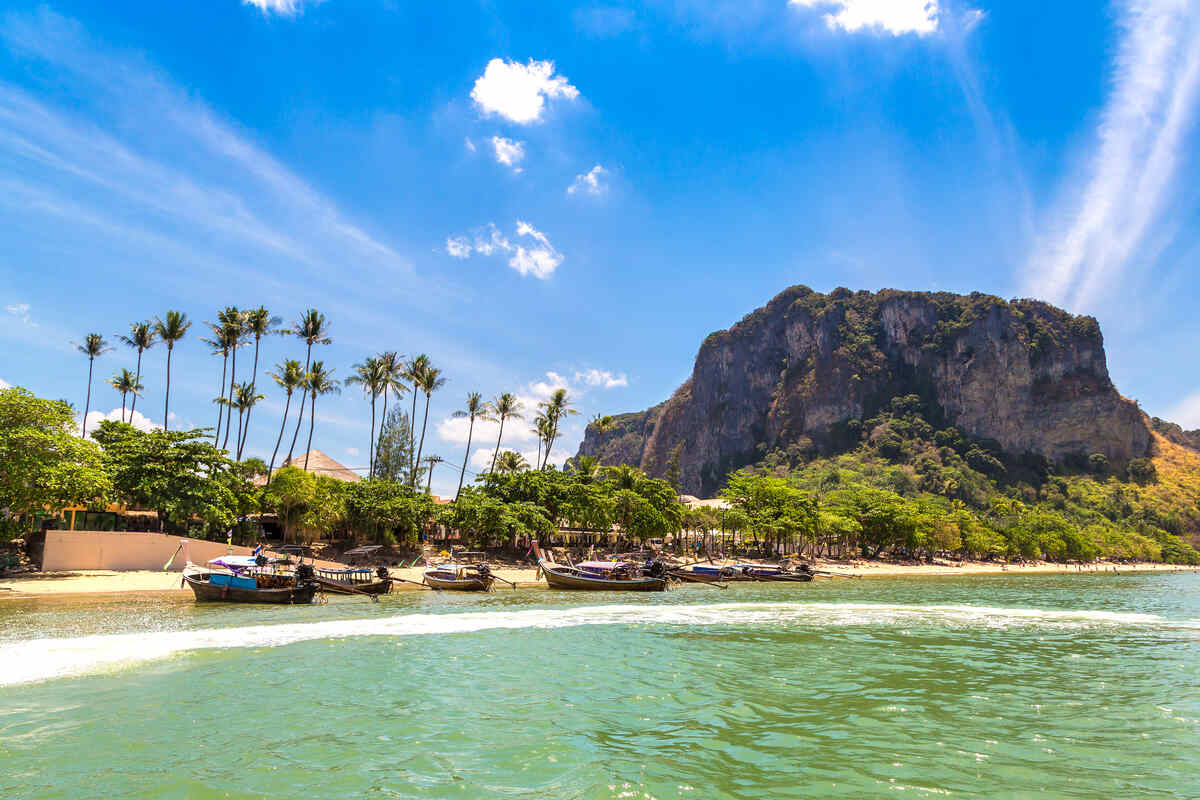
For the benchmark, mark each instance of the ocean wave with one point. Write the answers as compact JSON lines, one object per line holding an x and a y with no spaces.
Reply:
{"x":30,"y":660}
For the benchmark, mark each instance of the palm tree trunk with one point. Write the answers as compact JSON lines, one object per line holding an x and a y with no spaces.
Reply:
{"x":303,"y":398}
{"x":124,"y":397}
{"x":253,"y":387}
{"x":137,"y":382}
{"x":312,"y":418}
{"x":549,"y":444}
{"x":167,"y":401}
{"x":371,"y":448}
{"x":429,"y":480}
{"x":238,"y":438}
{"x":497,"y":453}
{"x":232,"y":381}
{"x":221,"y":406}
{"x":422,"y":445}
{"x":462,"y":474}
{"x":412,"y":429}
{"x":282,"y":427}
{"x":87,"y":404}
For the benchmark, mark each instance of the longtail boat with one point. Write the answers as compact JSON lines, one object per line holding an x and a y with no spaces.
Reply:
{"x":246,"y":579}
{"x":460,"y":577}
{"x":604,"y":576}
{"x":754,"y":572}
{"x":355,"y":580}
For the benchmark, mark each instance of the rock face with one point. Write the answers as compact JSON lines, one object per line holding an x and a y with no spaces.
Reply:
{"x":803,"y":371}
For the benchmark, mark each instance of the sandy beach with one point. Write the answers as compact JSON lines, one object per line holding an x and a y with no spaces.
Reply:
{"x":99,"y":582}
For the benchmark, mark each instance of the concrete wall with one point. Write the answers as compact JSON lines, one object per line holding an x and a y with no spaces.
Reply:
{"x":116,"y":550}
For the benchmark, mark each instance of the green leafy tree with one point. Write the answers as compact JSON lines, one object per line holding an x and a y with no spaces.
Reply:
{"x":393,"y":453}
{"x":178,"y":474}
{"x":289,"y":494}
{"x":44,"y":467}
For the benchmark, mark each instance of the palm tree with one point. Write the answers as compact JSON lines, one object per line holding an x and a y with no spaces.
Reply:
{"x":313,"y":329}
{"x":511,"y":463}
{"x":430,"y":381}
{"x":392,"y":365}
{"x":558,"y":406}
{"x":170,"y":330}
{"x":431,"y":461}
{"x":320,"y":381}
{"x":125,"y":382}
{"x":290,"y":376}
{"x":541,"y":429}
{"x":93,"y":346}
{"x":222,"y":342}
{"x":244,"y":399}
{"x":370,"y":375}
{"x":502,"y":408}
{"x":141,"y":337}
{"x":233,"y":321}
{"x":475,"y":409}
{"x":259,"y":323}
{"x":412,"y":372}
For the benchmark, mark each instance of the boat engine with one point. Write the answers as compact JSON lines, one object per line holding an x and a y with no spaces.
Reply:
{"x":382,"y":573}
{"x":656,"y":569}
{"x":304,"y":572}
{"x":483,"y":569}
{"x":260,"y":560}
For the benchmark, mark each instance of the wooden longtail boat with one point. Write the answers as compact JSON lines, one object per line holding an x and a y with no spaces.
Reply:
{"x":754,"y":572}
{"x":603,"y":576}
{"x":227,"y":580}
{"x":460,"y":577}
{"x":355,"y":580}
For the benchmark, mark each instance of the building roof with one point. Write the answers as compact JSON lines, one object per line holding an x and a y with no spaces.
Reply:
{"x":320,"y":464}
{"x":715,"y":502}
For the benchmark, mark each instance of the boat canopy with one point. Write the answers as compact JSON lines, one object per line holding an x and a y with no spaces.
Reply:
{"x":599,"y":566}
{"x":234,"y":562}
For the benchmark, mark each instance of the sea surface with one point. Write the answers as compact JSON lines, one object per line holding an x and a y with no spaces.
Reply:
{"x":989,"y":686}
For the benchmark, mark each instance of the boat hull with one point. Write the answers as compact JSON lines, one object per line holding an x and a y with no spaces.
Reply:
{"x":206,"y":592}
{"x":337,"y":587}
{"x":474,"y":584}
{"x":561,"y":580}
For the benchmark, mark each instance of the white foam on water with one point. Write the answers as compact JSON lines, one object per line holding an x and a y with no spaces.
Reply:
{"x":31,"y":660}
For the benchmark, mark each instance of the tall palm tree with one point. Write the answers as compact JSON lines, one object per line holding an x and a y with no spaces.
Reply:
{"x":431,"y":381}
{"x":244,"y":399}
{"x":431,"y":460}
{"x":412,"y":373}
{"x":222,"y":342}
{"x":170,"y":330}
{"x":233,"y":320}
{"x":540,"y":429}
{"x":370,"y":376}
{"x":557,"y":407}
{"x":312,"y":328}
{"x":319,"y":382}
{"x":93,"y":346}
{"x":511,"y":462}
{"x":475,"y":409}
{"x":502,"y":408}
{"x":290,"y":376}
{"x":126,"y":383}
{"x":141,"y":337}
{"x":392,"y":364}
{"x":259,"y":323}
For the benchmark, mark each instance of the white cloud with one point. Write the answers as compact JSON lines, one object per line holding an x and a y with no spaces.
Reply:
{"x":5,"y":384}
{"x":590,"y":182}
{"x":552,"y":383}
{"x":285,"y":8}
{"x":601,"y":378}
{"x":352,"y":451}
{"x":139,"y":420}
{"x":508,"y":152}
{"x":518,"y":92}
{"x":897,"y":17}
{"x":1111,"y":220}
{"x":469,"y":144}
{"x":20,"y":311}
{"x":534,"y":255}
{"x":1186,"y":412}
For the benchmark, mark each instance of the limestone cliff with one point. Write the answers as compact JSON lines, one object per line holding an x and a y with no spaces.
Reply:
{"x":803,"y":371}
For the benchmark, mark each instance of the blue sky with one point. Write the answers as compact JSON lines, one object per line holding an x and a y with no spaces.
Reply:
{"x":542,"y":194}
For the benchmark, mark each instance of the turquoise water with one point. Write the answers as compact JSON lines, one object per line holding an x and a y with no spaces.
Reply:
{"x":1063,"y":686}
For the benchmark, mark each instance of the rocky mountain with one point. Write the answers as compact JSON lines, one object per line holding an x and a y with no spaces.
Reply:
{"x":803,"y":373}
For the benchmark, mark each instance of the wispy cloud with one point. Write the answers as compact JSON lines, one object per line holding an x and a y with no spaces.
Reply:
{"x":508,"y":152}
{"x":21,"y":312}
{"x":896,"y":17}
{"x":591,"y":182}
{"x":530,"y":254}
{"x":285,"y":8}
{"x":1186,"y":412}
{"x":518,"y":92}
{"x":1110,"y":223}
{"x":5,"y":384}
{"x":601,"y":378}
{"x":141,"y":165}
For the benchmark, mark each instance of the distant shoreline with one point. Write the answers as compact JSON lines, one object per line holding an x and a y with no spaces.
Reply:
{"x":98,"y":583}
